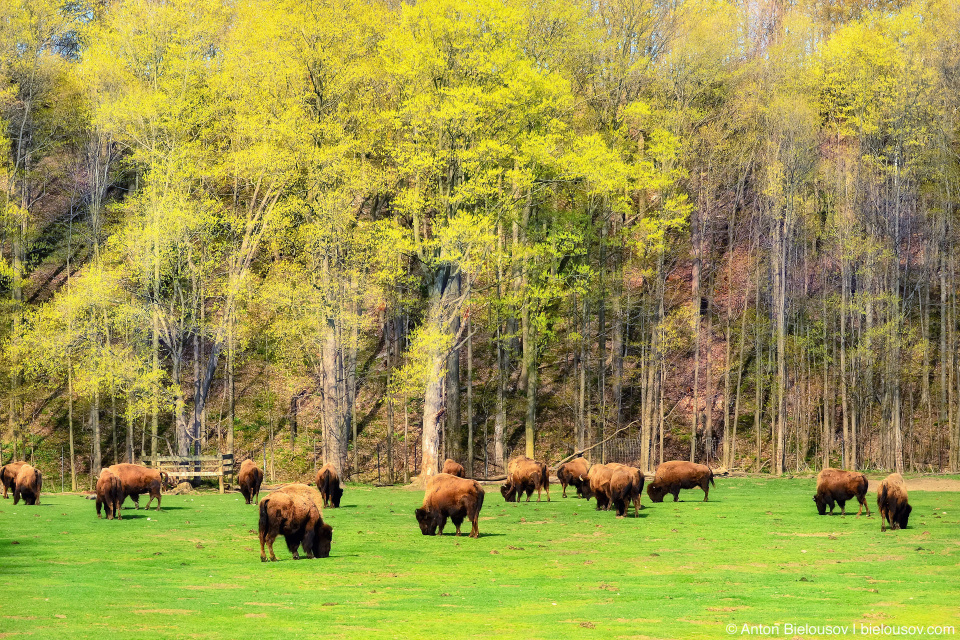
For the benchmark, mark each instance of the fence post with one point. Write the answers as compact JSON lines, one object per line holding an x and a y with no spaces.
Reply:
{"x":61,"y":468}
{"x":220,"y":469}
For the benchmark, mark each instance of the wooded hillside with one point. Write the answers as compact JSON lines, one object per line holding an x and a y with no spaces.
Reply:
{"x":373,"y":230}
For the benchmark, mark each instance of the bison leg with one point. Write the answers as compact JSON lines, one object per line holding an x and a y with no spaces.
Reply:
{"x":706,"y":490}
{"x":863,"y":503}
{"x":564,"y":485}
{"x":99,"y":504}
{"x":270,"y":540}
{"x":676,"y":496}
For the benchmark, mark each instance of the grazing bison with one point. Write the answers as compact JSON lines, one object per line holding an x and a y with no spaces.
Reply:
{"x":27,"y":485}
{"x":892,"y":501}
{"x":573,"y":473}
{"x":525,"y":476}
{"x":672,"y":476}
{"x":626,"y":485}
{"x":8,"y":475}
{"x":250,"y":479}
{"x":292,"y":512}
{"x":840,"y":486}
{"x":109,"y":494}
{"x":328,"y":482}
{"x":137,"y":479}
{"x":598,"y":484}
{"x":451,"y":497}
{"x":453,"y":468}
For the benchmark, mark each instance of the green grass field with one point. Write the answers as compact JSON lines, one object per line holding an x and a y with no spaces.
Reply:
{"x":756,"y":554}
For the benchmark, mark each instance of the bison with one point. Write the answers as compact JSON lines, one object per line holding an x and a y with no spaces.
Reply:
{"x":250,"y":479}
{"x":598,"y":484}
{"x":573,"y":473}
{"x":626,"y":485}
{"x":453,"y":468}
{"x":27,"y":485}
{"x":672,"y":476}
{"x":292,"y":512}
{"x":840,"y":486}
{"x":328,"y":482}
{"x":137,"y":479}
{"x":525,"y":476}
{"x":109,"y":494}
{"x":892,"y":501}
{"x":448,"y":496}
{"x":8,"y":475}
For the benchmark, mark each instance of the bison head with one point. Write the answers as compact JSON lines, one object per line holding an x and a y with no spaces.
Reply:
{"x":509,"y":491}
{"x":821,"y":504}
{"x":656,"y":492}
{"x":429,"y":521}
{"x":903,"y":516}
{"x":335,"y":497}
{"x":323,"y":541}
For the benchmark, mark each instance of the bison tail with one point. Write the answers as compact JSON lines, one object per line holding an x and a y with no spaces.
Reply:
{"x":712,"y":483}
{"x":264,"y":517}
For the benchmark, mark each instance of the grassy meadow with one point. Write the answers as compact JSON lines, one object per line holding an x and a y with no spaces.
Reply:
{"x":756,"y":554}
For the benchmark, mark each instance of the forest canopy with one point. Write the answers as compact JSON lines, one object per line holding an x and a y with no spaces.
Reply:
{"x":714,"y":230}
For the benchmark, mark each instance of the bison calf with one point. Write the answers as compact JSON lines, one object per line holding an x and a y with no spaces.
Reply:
{"x":573,"y":473}
{"x":675,"y":475}
{"x":27,"y":485}
{"x":453,"y":468}
{"x":109,"y":494}
{"x":892,"y":501}
{"x":8,"y":475}
{"x":451,"y":497}
{"x":250,"y":479}
{"x":294,"y":512}
{"x":626,"y":485}
{"x":328,"y":482}
{"x":834,"y":485}
{"x":525,"y":476}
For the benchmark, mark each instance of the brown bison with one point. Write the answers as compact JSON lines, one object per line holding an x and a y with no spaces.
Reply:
{"x":27,"y":485}
{"x":137,"y":479}
{"x":451,"y":497}
{"x":328,"y":482}
{"x":292,"y":512}
{"x":8,"y":475}
{"x":892,"y":501}
{"x":573,"y":473}
{"x":672,"y":476}
{"x":598,"y":484}
{"x":109,"y":494}
{"x":250,"y":479}
{"x":626,"y":485}
{"x":840,"y":486}
{"x":453,"y":468}
{"x":525,"y":476}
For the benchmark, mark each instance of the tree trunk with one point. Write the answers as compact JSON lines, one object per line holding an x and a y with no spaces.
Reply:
{"x":452,"y":437}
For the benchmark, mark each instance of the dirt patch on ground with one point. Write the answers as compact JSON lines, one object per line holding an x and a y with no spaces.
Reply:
{"x":925,"y":484}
